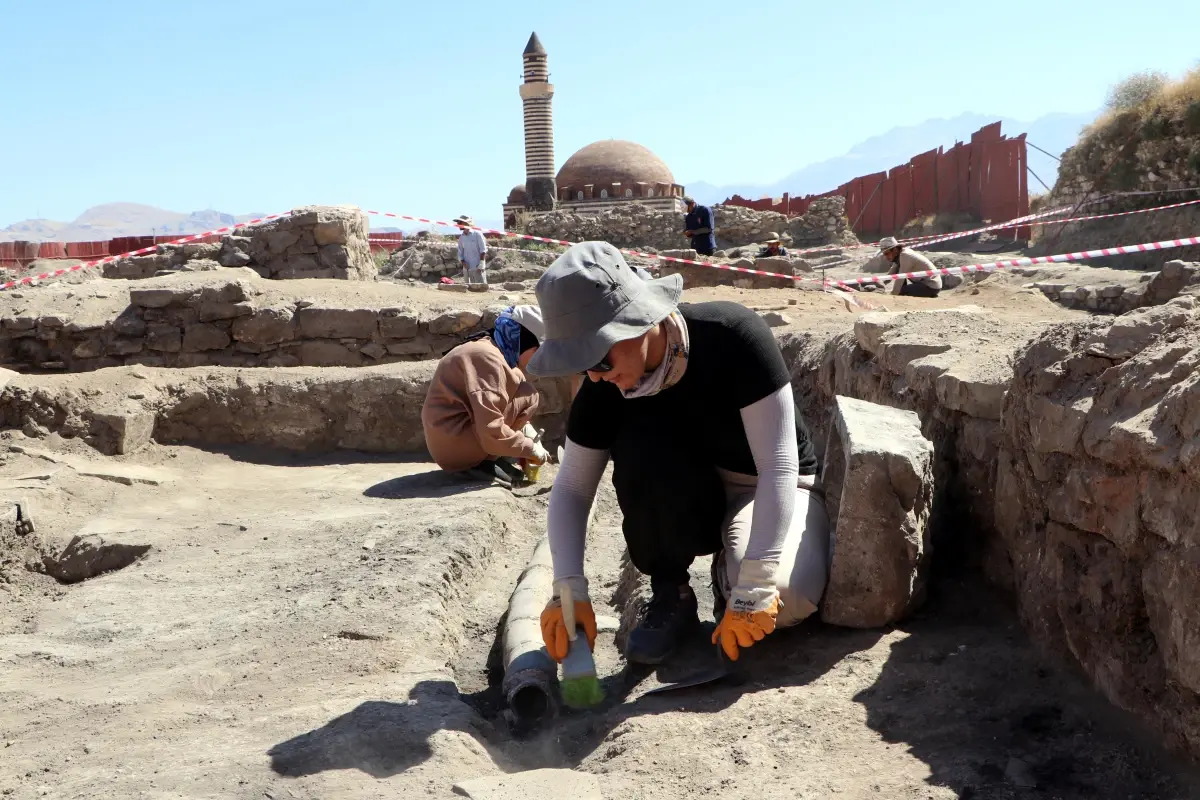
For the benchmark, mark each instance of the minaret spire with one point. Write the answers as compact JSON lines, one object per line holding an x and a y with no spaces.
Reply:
{"x":536,"y":94}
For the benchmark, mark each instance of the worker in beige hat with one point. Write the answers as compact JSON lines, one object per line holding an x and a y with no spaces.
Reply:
{"x":472,"y":250}
{"x":894,"y":258}
{"x":772,"y":247}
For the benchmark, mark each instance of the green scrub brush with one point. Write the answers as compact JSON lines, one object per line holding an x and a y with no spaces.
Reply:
{"x":580,"y":686}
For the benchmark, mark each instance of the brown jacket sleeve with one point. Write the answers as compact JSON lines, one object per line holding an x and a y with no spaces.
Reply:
{"x":496,"y":437}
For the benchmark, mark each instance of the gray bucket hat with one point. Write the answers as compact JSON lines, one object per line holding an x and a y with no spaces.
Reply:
{"x":590,"y":300}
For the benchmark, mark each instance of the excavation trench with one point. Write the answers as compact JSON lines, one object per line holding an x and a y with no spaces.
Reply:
{"x":975,"y":707}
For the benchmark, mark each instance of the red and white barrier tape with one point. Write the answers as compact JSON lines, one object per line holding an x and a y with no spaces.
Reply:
{"x":29,"y":279}
{"x":1017,"y":262}
{"x":1035,"y":221}
{"x":879,"y":279}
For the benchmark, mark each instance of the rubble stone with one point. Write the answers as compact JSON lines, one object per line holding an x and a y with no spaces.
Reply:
{"x":878,"y":477}
{"x":122,"y":432}
{"x":86,"y":557}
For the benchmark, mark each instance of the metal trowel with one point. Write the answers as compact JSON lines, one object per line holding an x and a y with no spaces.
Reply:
{"x":723,"y":669}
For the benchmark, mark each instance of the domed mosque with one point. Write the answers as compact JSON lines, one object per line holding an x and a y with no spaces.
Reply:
{"x":597,"y":176}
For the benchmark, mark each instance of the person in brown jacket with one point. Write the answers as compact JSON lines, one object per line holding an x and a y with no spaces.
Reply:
{"x":479,"y":404}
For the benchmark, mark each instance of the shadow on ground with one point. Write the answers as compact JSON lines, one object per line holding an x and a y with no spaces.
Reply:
{"x":968,"y":695}
{"x":431,"y":485}
{"x":789,"y":659}
{"x":380,"y":738}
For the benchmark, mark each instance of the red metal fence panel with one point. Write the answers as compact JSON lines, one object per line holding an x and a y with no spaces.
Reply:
{"x":924,"y":182}
{"x":887,"y":206}
{"x":870,"y":215}
{"x":947,"y":181}
{"x":958,"y":179}
{"x":902,"y":178}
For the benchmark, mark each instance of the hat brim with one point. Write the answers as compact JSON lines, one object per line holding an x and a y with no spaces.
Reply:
{"x":557,"y":358}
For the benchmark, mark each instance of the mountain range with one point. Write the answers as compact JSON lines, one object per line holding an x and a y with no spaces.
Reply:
{"x":110,"y":220}
{"x":1052,"y":132}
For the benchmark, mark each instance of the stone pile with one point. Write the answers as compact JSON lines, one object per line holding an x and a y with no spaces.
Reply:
{"x":635,"y":226}
{"x":1153,"y":289}
{"x":190,"y":257}
{"x":227,"y":318}
{"x":311,"y":242}
{"x":825,"y":222}
{"x":429,"y":259}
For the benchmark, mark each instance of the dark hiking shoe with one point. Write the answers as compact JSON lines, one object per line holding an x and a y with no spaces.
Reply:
{"x":511,"y":469}
{"x":714,"y":572}
{"x":489,"y":472}
{"x":670,"y":615}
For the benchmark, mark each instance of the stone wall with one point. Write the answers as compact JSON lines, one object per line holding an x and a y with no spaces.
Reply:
{"x":1152,"y":289}
{"x":1126,"y":162}
{"x":430,"y":258}
{"x":1066,"y":464}
{"x":373,"y":409}
{"x":311,"y":242}
{"x":634,"y":226}
{"x":226,"y":318}
{"x":1098,"y":496}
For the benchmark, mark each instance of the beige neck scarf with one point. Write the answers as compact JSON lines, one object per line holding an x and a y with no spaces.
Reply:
{"x":674,"y":362}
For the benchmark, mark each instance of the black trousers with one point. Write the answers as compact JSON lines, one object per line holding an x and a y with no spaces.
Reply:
{"x":671,"y":498}
{"x":703,"y":250}
{"x":915,"y":289}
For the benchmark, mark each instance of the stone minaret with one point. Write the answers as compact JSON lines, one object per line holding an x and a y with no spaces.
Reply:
{"x":536,"y":94}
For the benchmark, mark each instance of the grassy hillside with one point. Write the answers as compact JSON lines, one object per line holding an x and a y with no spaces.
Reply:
{"x":1147,"y":139}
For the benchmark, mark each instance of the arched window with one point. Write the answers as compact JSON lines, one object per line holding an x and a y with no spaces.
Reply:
{"x":649,"y":192}
{"x":604,"y":194}
{"x":629,"y":192}
{"x":579,"y":195}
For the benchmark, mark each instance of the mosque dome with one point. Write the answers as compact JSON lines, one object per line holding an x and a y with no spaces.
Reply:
{"x":613,"y":161}
{"x":517,"y":195}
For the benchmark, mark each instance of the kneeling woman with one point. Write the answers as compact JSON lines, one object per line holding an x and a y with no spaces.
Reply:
{"x":477,"y":410}
{"x":693,"y":405}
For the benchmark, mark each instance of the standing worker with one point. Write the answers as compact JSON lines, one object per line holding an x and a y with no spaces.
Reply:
{"x":472,"y":250}
{"x":699,"y":226}
{"x":895,"y":258}
{"x":693,"y":405}
{"x":478,"y":407}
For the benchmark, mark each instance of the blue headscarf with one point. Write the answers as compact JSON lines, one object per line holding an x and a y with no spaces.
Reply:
{"x":507,"y":336}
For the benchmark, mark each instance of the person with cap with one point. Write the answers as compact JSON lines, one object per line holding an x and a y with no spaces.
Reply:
{"x":693,"y":405}
{"x":472,"y":250}
{"x":895,"y":258}
{"x":773,"y":247}
{"x":699,"y":226}
{"x":479,"y":404}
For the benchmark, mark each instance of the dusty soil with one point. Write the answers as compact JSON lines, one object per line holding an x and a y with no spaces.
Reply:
{"x":325,"y":628}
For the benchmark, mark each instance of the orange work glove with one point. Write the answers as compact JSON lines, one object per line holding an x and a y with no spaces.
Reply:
{"x":752,"y":611}
{"x":554,"y":627}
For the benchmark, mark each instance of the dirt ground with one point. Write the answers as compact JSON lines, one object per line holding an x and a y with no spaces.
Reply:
{"x":319,"y":628}
{"x":325,"y":628}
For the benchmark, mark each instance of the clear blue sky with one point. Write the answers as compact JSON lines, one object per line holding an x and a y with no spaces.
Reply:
{"x":413,"y":107}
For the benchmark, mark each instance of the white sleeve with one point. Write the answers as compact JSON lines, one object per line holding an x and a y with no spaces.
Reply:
{"x":770,"y":427}
{"x":571,"y":499}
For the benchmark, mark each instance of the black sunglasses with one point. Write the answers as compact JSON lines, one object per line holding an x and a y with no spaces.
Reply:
{"x":601,"y":366}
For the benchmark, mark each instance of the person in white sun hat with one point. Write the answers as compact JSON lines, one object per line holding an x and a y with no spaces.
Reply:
{"x":894,"y":258}
{"x":472,"y":250}
{"x":693,"y":405}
